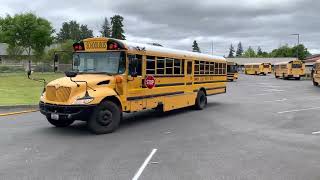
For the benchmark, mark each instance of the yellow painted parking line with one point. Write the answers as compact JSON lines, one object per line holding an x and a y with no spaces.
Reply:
{"x":18,"y":112}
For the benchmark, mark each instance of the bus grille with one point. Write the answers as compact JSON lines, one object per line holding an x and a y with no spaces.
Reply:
{"x":61,"y":94}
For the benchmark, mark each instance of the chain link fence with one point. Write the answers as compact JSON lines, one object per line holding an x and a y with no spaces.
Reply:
{"x":36,"y":67}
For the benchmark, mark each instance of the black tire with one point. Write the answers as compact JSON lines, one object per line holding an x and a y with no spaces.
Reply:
{"x":297,"y":78}
{"x":59,"y":123}
{"x":314,"y":83}
{"x":105,"y":118}
{"x":201,"y":100}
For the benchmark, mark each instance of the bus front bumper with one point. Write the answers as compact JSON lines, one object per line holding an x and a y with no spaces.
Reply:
{"x":67,"y":112}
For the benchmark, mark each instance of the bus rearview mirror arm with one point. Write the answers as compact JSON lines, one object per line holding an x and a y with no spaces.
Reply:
{"x":29,"y":72}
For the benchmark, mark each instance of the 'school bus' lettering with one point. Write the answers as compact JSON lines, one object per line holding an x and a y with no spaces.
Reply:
{"x":115,"y":77}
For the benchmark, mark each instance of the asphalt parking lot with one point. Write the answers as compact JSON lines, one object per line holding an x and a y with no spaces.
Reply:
{"x":262,"y":128}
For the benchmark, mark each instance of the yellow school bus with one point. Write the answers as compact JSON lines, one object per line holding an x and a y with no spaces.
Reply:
{"x":113,"y":76}
{"x":315,"y":73}
{"x":232,"y":71}
{"x":257,"y":68}
{"x":291,"y":69}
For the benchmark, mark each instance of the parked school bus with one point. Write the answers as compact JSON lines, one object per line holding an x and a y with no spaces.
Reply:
{"x":291,"y":69}
{"x":257,"y":68}
{"x":232,"y":71}
{"x":315,"y":73}
{"x":113,"y":76}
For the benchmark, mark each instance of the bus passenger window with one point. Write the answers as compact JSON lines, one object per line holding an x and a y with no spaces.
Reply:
{"x":177,"y":66}
{"x":216,"y":68}
{"x":196,"y":67}
{"x":211,"y":67}
{"x":138,"y":68}
{"x":189,"y":67}
{"x":169,"y":66}
{"x":207,"y":68}
{"x":160,"y":65}
{"x":151,"y":65}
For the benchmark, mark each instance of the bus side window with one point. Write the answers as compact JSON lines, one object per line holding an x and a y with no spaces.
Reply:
{"x":138,"y":68}
{"x":189,"y":67}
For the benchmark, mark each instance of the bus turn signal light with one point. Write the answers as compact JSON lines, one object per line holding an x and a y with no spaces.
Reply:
{"x":118,"y":79}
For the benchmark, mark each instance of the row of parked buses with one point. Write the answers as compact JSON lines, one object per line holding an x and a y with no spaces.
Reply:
{"x":285,"y":70}
{"x":258,"y":68}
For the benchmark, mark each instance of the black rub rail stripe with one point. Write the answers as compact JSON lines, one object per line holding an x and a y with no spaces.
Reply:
{"x":164,"y":85}
{"x":203,"y":82}
{"x":169,"y":84}
{"x":216,"y":93}
{"x":222,"y":87}
{"x":215,"y":88}
{"x":154,"y":95}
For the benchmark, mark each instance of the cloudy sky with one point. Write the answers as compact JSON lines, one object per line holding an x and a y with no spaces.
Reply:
{"x":176,"y":23}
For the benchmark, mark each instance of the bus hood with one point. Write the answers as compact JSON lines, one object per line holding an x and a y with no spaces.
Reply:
{"x":64,"y":91}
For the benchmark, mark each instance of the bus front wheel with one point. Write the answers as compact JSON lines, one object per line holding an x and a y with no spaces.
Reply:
{"x":105,"y":118}
{"x":59,"y":123}
{"x":201,"y":100}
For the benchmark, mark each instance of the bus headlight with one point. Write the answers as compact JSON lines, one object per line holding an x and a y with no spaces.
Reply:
{"x":83,"y":101}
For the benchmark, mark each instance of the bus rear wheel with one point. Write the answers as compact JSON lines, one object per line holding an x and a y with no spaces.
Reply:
{"x":59,"y":123}
{"x":201,"y":100}
{"x":105,"y":118}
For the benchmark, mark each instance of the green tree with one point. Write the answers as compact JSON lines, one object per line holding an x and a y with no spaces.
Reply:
{"x":231,"y":51}
{"x":239,"y":51}
{"x":105,"y":28}
{"x":26,"y":33}
{"x":117,"y":27}
{"x":74,"y":31}
{"x":301,"y":50}
{"x":283,"y":51}
{"x":259,"y":52}
{"x":85,"y":32}
{"x":249,"y":53}
{"x":195,"y":47}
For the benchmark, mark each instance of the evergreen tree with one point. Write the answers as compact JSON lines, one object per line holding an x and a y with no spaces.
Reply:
{"x":259,"y":52}
{"x":85,"y":32}
{"x":239,"y":51}
{"x":117,"y":27}
{"x":105,"y":28}
{"x":195,"y":47}
{"x":231,"y":51}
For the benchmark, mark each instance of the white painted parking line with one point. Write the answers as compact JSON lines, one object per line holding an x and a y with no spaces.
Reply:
{"x":144,"y":165}
{"x":297,"y":110}
{"x":278,"y":100}
{"x":273,"y":90}
{"x":316,"y":132}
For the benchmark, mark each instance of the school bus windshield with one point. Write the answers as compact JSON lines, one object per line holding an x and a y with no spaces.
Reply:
{"x":99,"y":62}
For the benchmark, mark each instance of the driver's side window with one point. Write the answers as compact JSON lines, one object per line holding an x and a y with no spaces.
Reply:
{"x":135,"y":68}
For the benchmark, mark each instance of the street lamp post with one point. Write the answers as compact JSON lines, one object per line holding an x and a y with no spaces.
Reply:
{"x":298,"y":36}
